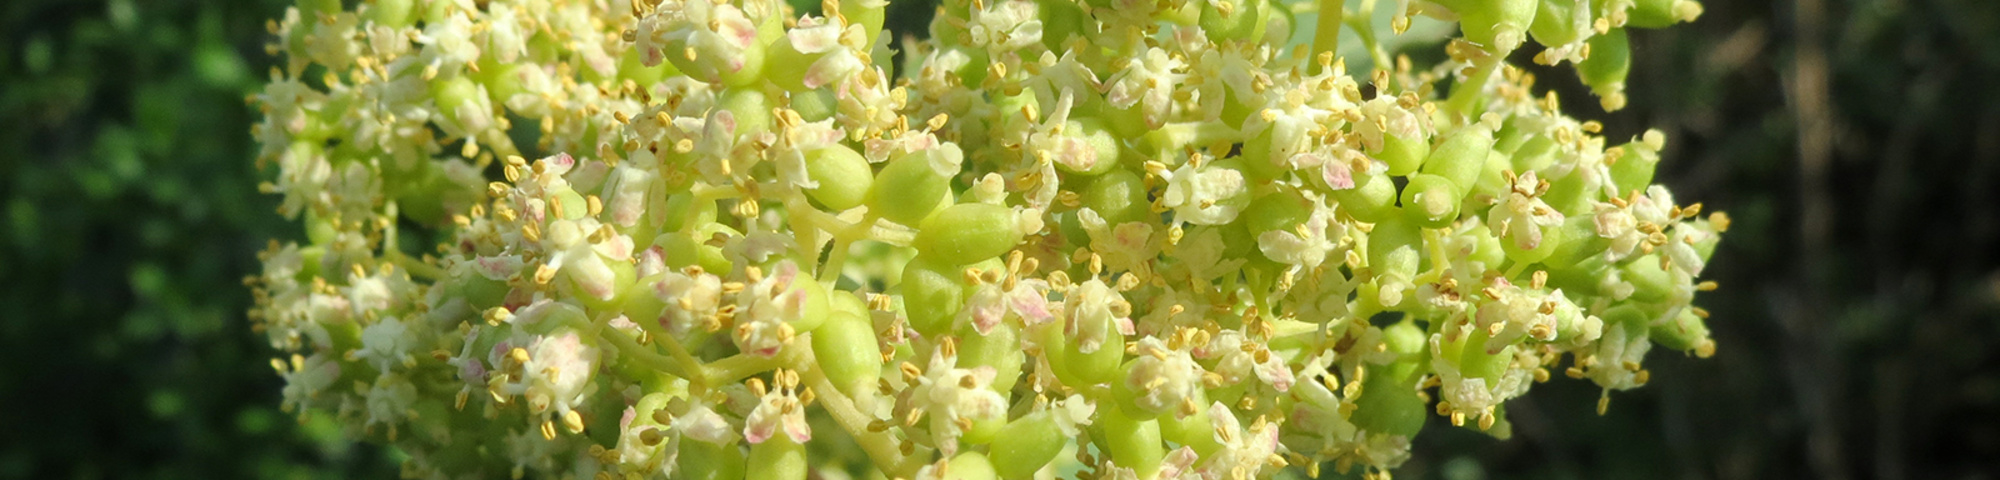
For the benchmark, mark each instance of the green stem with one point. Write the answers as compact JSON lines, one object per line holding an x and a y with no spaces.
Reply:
{"x":1326,"y":32}
{"x":1362,"y":23}
{"x":829,"y":274}
{"x":880,"y":446}
{"x":632,"y":350}
{"x":1465,"y":94}
{"x":416,"y":267}
{"x":742,"y":365}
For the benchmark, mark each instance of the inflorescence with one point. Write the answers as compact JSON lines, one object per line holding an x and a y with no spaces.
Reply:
{"x":1099,"y":238}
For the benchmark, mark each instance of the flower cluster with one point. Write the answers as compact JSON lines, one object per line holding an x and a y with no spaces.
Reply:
{"x":1095,"y":238}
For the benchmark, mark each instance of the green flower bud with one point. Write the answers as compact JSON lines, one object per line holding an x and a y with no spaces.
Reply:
{"x":846,"y":349}
{"x":1227,"y":20}
{"x":1552,"y":239}
{"x":1537,"y":152}
{"x":1403,"y":155}
{"x":778,"y":458}
{"x":933,"y":291}
{"x":1488,"y":250}
{"x":1686,"y":332}
{"x":1390,"y":235}
{"x":1194,"y":431}
{"x":1389,"y":404}
{"x":1032,"y":442}
{"x":984,"y":430}
{"x":1633,"y":171}
{"x":1431,"y":201}
{"x":751,"y":109}
{"x":969,"y":232}
{"x":1373,"y":198}
{"x":453,"y":94}
{"x":1610,"y":59}
{"x":1650,"y":283}
{"x":1580,"y":241}
{"x":815,"y":105}
{"x":1118,"y":197}
{"x":684,"y":210}
{"x":392,"y":13}
{"x":1662,"y":13}
{"x":1474,"y":361}
{"x":1132,"y":443}
{"x":867,"y":13}
{"x":1499,"y":25}
{"x":1560,"y":22}
{"x":1281,"y":208}
{"x":901,"y":187}
{"x":699,"y":460}
{"x":842,"y":301}
{"x":1572,"y":194}
{"x":1105,"y":146}
{"x":999,"y":348}
{"x":844,"y":177}
{"x":1461,"y":156}
{"x":631,"y":68}
{"x":968,"y":466}
{"x":1097,"y":367}
{"x":1061,"y":19}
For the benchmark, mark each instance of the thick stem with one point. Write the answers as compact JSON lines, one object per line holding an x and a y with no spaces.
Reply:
{"x":1326,"y":32}
{"x":742,"y":365}
{"x":1464,"y":96}
{"x":880,"y":446}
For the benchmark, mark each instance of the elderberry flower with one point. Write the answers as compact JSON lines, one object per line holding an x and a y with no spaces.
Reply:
{"x":675,"y":237}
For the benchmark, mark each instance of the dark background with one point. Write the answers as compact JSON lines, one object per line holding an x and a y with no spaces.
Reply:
{"x":1855,"y":142}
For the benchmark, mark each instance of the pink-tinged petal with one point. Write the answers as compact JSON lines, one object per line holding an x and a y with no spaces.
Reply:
{"x":1280,"y":377}
{"x":652,"y":261}
{"x":797,"y":429}
{"x":472,"y":370}
{"x":984,"y":375}
{"x":831,"y":68}
{"x":625,"y":420}
{"x":560,"y":163}
{"x":782,"y":278}
{"x":1031,"y":305}
{"x":1337,"y":175}
{"x":984,"y":318}
{"x":814,"y":39}
{"x":618,"y":247}
{"x":497,"y":268}
{"x":1176,"y":461}
{"x":735,"y":27}
{"x":651,"y":57}
{"x":1125,"y":326}
{"x":756,"y":431}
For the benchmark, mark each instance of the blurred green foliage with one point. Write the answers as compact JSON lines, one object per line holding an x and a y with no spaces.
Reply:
{"x":1857,"y":318}
{"x":130,"y":216}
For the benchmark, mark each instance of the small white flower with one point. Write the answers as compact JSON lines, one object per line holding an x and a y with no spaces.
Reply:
{"x":778,"y":410}
{"x":766,"y":310}
{"x":1244,"y":452}
{"x":992,"y":302}
{"x":691,"y":300}
{"x":1522,"y":215}
{"x":387,"y":344}
{"x":1205,"y":195}
{"x":1305,"y":246}
{"x":1089,"y":312}
{"x":953,"y":396}
{"x":1163,"y":377}
{"x":1148,"y":81}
